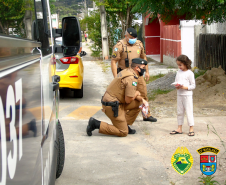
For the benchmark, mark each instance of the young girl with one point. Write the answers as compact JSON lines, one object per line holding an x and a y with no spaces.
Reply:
{"x":186,"y":78}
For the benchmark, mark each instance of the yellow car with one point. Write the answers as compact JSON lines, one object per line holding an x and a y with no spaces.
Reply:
{"x":70,"y":70}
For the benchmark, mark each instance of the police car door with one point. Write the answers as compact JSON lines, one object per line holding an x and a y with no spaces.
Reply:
{"x":48,"y":94}
{"x":20,"y":96}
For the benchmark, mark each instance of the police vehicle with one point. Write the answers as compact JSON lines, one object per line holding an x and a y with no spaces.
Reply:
{"x":31,"y":136}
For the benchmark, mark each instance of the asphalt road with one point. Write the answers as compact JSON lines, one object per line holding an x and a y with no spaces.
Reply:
{"x":101,"y":159}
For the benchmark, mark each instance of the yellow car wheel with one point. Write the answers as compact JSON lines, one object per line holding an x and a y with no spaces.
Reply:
{"x":78,"y":93}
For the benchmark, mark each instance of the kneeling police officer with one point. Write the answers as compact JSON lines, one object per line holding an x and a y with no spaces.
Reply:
{"x":123,"y":53}
{"x":121,"y":102}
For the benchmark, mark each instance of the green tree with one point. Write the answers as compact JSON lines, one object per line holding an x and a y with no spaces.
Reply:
{"x":52,"y":6}
{"x":68,"y":7}
{"x":12,"y":14}
{"x":119,"y":18}
{"x":208,"y":10}
{"x":94,"y":33}
{"x":120,"y":10}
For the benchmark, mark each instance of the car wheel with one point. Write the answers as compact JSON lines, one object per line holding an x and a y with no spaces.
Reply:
{"x":78,"y":93}
{"x":61,"y":151}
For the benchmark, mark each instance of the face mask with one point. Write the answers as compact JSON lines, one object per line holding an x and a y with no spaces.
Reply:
{"x":141,"y":73}
{"x":132,"y":41}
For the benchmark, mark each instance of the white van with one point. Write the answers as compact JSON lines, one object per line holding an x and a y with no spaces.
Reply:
{"x":31,"y":137}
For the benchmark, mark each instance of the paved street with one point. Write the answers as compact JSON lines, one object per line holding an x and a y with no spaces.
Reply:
{"x":143,"y":158}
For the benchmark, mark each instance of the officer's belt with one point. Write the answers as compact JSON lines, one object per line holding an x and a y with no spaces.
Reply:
{"x":110,"y":103}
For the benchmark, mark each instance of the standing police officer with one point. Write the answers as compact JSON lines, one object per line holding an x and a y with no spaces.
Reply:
{"x":121,"y":102}
{"x":123,"y":53}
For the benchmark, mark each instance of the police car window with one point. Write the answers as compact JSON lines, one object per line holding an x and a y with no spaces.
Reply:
{"x":16,"y":18}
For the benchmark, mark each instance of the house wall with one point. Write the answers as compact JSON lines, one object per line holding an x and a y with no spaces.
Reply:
{"x":55,"y":20}
{"x":217,"y":28}
{"x":174,"y":21}
{"x":188,"y":39}
{"x":171,"y":44}
{"x":152,"y":38}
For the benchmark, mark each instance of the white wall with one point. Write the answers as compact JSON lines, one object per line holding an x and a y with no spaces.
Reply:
{"x":216,"y":28}
{"x":187,"y":38}
{"x":190,"y":31}
{"x":54,"y":20}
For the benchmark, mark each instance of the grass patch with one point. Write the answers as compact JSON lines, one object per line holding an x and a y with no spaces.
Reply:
{"x":208,"y":180}
{"x":96,"y":54}
{"x":199,"y":73}
{"x":155,"y":77}
{"x":170,"y":67}
{"x":156,"y":92}
{"x":150,"y":59}
{"x":105,"y":66}
{"x":83,"y":39}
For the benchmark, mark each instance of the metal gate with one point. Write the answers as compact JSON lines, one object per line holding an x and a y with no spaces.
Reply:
{"x":212,"y":51}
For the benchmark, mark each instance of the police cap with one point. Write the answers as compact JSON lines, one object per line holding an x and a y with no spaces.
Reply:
{"x":132,"y":32}
{"x":139,"y":61}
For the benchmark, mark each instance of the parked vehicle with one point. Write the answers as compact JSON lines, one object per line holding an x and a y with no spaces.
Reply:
{"x":31,"y":136}
{"x":70,"y":70}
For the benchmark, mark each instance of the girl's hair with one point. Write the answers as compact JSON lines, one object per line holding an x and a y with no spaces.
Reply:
{"x":185,"y":60}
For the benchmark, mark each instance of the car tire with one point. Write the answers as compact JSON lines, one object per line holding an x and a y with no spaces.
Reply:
{"x":78,"y":93}
{"x":61,"y":151}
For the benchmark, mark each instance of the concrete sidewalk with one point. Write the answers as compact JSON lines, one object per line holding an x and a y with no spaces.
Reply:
{"x":156,"y":58}
{"x":156,"y":67}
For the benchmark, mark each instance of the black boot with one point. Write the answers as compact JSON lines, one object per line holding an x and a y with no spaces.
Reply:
{"x":131,"y":131}
{"x":151,"y":119}
{"x":92,"y":125}
{"x":32,"y":127}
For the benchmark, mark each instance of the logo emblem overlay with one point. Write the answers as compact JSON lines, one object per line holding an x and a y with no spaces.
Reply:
{"x":138,"y":51}
{"x":134,"y":83}
{"x":114,"y":55}
{"x":208,"y":163}
{"x":182,"y":160}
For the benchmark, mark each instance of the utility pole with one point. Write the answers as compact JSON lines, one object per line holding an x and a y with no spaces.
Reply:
{"x":94,"y":6}
{"x":104,"y":33}
{"x":86,"y":13}
{"x":143,"y":29}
